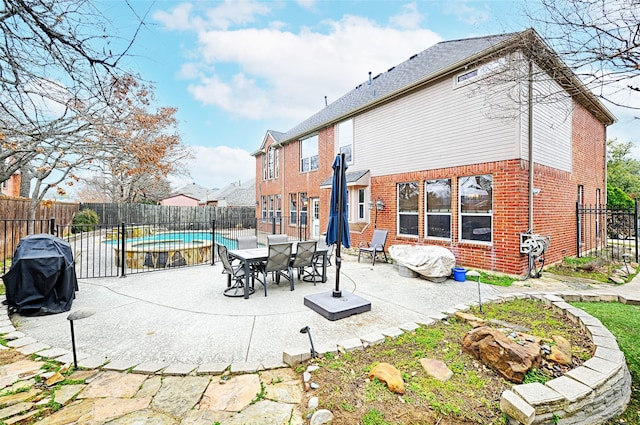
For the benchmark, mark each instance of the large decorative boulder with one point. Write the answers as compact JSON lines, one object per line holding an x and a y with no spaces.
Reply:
{"x":509,"y":358}
{"x":390,"y":375}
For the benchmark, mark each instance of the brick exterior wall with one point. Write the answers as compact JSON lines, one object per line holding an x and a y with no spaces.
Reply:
{"x":554,"y":206}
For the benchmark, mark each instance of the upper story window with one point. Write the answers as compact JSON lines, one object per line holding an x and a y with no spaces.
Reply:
{"x":438,"y":208}
{"x":309,"y":154}
{"x":476,"y":207}
{"x":408,"y":209}
{"x":480,"y":71}
{"x":345,"y":140}
{"x":271,"y":164}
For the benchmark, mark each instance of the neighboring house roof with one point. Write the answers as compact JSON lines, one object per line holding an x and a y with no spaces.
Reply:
{"x":434,"y":62}
{"x":192,"y":190}
{"x":235,"y":194}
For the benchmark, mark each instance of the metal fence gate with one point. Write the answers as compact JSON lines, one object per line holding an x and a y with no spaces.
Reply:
{"x":603,"y":231}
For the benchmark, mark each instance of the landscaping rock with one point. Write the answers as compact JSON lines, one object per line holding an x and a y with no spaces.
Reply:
{"x":510,"y":359}
{"x":470,"y":318}
{"x":390,"y":375}
{"x":321,"y":417}
{"x":561,"y":352}
{"x":436,"y":369}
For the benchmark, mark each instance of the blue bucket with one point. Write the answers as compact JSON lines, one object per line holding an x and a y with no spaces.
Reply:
{"x":459,"y":274}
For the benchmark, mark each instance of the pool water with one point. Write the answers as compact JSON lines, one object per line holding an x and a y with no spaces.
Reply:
{"x":178,"y":238}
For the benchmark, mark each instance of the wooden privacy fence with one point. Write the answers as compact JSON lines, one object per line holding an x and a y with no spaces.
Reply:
{"x":18,"y":209}
{"x":15,"y":225}
{"x":142,"y":213}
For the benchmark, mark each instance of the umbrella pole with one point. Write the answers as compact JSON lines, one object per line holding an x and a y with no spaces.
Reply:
{"x":336,"y":292}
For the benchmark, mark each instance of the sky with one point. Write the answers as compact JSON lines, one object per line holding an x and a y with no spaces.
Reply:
{"x":235,"y":69}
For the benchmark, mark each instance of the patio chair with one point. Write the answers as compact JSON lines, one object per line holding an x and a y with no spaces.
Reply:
{"x":235,"y":274}
{"x":278,"y":263}
{"x":322,"y":244}
{"x":247,"y":242}
{"x":378,"y":241}
{"x":305,"y":256}
{"x":277,"y":239}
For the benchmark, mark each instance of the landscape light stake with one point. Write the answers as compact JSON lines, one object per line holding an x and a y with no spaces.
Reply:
{"x":473,"y":273}
{"x":625,"y":259}
{"x":307,"y":330}
{"x":77,"y":315}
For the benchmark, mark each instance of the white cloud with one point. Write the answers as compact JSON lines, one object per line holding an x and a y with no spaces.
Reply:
{"x":282,"y":74}
{"x":234,"y":12}
{"x":467,"y":14}
{"x":409,"y":18}
{"x":177,"y":19}
{"x":307,"y":4}
{"x":217,"y":167}
{"x":228,"y":13}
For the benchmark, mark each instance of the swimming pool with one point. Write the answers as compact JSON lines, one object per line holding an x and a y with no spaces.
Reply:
{"x":170,"y":249}
{"x":167,"y":238}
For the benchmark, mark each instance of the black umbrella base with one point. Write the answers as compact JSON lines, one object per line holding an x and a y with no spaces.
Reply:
{"x":332,"y":308}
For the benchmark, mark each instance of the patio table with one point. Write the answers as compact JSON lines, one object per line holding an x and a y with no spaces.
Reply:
{"x":257,"y":256}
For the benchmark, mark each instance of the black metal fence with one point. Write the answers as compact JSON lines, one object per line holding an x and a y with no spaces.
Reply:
{"x":607,"y":232}
{"x":108,"y":250}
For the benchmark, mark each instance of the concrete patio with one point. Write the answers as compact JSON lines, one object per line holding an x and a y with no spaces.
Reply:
{"x":181,"y":315}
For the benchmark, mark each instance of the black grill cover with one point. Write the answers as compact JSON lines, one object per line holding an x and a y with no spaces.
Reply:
{"x":42,"y":279}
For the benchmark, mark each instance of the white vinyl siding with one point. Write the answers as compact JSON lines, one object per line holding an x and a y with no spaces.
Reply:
{"x":552,"y":113}
{"x":436,"y":127}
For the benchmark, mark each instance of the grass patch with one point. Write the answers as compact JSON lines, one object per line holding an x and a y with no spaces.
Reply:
{"x":593,"y":268}
{"x":497,"y":280}
{"x":623,"y":320}
{"x":471,"y":396}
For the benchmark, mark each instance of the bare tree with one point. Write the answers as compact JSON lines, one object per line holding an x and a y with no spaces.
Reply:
{"x":143,"y":145}
{"x":599,"y":40}
{"x":54,"y":57}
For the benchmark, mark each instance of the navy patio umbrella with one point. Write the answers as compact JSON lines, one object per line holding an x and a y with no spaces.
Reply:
{"x":338,"y":228}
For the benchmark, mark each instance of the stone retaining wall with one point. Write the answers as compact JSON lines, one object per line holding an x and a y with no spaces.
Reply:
{"x":590,"y":394}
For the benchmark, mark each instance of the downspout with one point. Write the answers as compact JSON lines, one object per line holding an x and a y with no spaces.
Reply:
{"x":530,"y":143}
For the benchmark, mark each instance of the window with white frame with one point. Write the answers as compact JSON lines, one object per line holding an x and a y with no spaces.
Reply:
{"x":304,"y":204}
{"x":361,"y":205}
{"x":309,"y":154}
{"x":276,"y":163}
{"x":271,"y":203}
{"x":438,"y":208}
{"x":272,"y":163}
{"x":476,"y":207}
{"x":480,"y":71}
{"x":345,"y":140}
{"x":293,"y":209}
{"x":278,"y":208}
{"x":408,"y":209}
{"x":263,"y":200}
{"x":265,"y":167}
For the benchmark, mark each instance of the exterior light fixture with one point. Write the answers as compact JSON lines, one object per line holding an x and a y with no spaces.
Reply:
{"x":77,"y":315}
{"x":307,"y":330}
{"x":379,"y":204}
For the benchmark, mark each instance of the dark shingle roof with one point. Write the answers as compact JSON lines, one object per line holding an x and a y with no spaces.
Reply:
{"x":417,"y":68}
